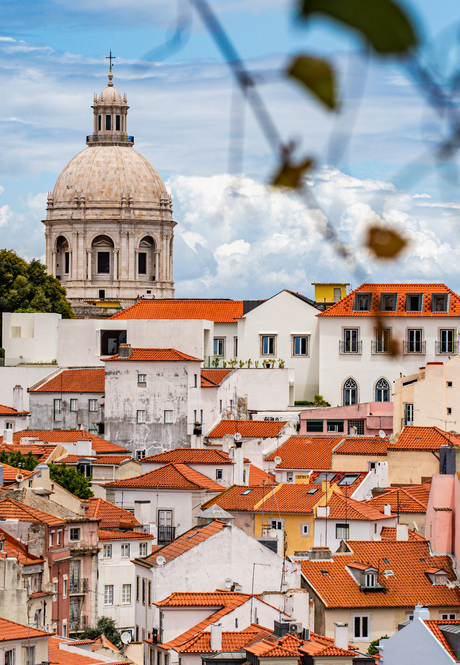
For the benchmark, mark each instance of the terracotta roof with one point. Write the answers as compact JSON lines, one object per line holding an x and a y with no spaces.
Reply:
{"x":9,"y":411}
{"x":219,"y":311}
{"x":110,"y":516}
{"x":306,"y":452}
{"x":274,"y":647}
{"x":10,"y":630}
{"x":10,"y":473}
{"x":335,"y":478}
{"x":154,"y":355}
{"x":63,"y":436}
{"x":73,"y":381}
{"x":238,"y":498}
{"x":62,"y":656}
{"x":170,"y":476}
{"x":422,"y":438}
{"x":41,"y":452}
{"x":12,"y":509}
{"x":362,"y":445}
{"x":406,"y":587}
{"x":210,"y":378}
{"x":96,"y":459}
{"x":345,"y":306}
{"x":435,"y":626}
{"x":411,"y":499}
{"x":186,"y":542}
{"x":17,"y":550}
{"x":191,"y":456}
{"x":289,"y":498}
{"x":231,"y":640}
{"x":341,"y":507}
{"x":108,"y":534}
{"x":389,"y":533}
{"x":249,"y":429}
{"x":260,"y":477}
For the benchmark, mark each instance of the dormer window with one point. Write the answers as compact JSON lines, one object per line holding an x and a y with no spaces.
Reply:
{"x":370,"y":579}
{"x":362,"y":302}
{"x":388,"y":302}
{"x":414,"y":302}
{"x":438,"y":576}
{"x":440,"y":302}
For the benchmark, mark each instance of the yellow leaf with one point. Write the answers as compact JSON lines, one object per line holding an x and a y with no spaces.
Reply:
{"x":290,"y":175}
{"x":317,"y":75}
{"x":385,"y":243}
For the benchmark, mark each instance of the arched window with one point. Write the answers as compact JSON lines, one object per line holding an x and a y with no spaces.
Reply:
{"x":146,"y":268}
{"x":382,"y":391}
{"x":62,"y":258}
{"x":350,"y":392}
{"x":102,"y":261}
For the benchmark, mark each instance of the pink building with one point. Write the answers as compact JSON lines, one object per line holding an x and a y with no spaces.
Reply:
{"x":443,"y":515}
{"x":367,"y":419}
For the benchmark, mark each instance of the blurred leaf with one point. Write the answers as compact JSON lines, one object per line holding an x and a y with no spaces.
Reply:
{"x":385,"y":243}
{"x":290,"y":175}
{"x":383,"y":23}
{"x":317,"y":75}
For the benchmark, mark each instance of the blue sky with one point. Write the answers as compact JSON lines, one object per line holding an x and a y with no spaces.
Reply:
{"x":235,"y":237}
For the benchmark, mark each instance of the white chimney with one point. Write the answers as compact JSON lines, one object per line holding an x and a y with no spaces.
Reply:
{"x":238,"y":464}
{"x":8,"y":436}
{"x":421,"y":612}
{"x":402,"y":532}
{"x":387,"y":509}
{"x":216,"y":637}
{"x":341,"y":635}
{"x":18,"y":398}
{"x":125,"y":351}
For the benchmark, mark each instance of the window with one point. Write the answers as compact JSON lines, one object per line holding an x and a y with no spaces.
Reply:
{"x":140,"y":416}
{"x":168,"y":416}
{"x":64,"y":628}
{"x":144,"y":590}
{"x":126,"y":594}
{"x":125,"y":549}
{"x":348,"y":479}
{"x":57,"y":409}
{"x":350,"y":392}
{"x":314,"y":425}
{"x":107,"y":551}
{"x":300,"y":345}
{"x":276,"y":524}
{"x":267,"y":345}
{"x":29,"y":656}
{"x":414,"y":302}
{"x":142,"y":379}
{"x":54,"y":590}
{"x":355,"y":427}
{"x":448,"y":616}
{"x":74,"y":404}
{"x":140,"y":454}
{"x":440,"y":302}
{"x":159,"y":659}
{"x":351,"y":342}
{"x":142,"y":263}
{"x":111,"y":340}
{"x":195,"y":380}
{"x":235,"y":347}
{"x":92,"y":405}
{"x":388,"y":302}
{"x":382,"y":391}
{"x":449,"y":410}
{"x":361,"y":627}
{"x":50,"y":539}
{"x":335,"y":425}
{"x":342,"y":531}
{"x":117,"y":123}
{"x":446,"y":342}
{"x":59,"y":536}
{"x":337,"y":295}
{"x":362,"y":302}
{"x":370,"y":579}
{"x":108,"y":594}
{"x":143,"y":549}
{"x":137,"y":588}
{"x":74,"y":533}
{"x":382,"y":341}
{"x":103,"y":263}
{"x":219,"y":346}
{"x":9,"y":425}
{"x":409,"y":414}
{"x":108,"y":122}
{"x":448,"y":384}
{"x":64,"y":587}
{"x":66,"y":262}
{"x":9,"y":657}
{"x":149,"y":595}
{"x":414,"y":342}
{"x":305,"y":529}
{"x":218,"y":474}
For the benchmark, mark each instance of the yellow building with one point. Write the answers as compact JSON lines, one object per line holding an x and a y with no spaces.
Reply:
{"x":327,"y":293}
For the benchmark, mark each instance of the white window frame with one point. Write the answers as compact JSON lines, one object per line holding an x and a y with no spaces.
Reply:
{"x":91,"y":404}
{"x":361,"y":636}
{"x":140,"y":416}
{"x":143,"y":549}
{"x":168,"y":416}
{"x":29,"y":655}
{"x":219,"y":474}
{"x":74,"y":404}
{"x":65,"y":585}
{"x":268,"y":345}
{"x":342,"y":531}
{"x":218,"y":347}
{"x":142,"y":380}
{"x":10,"y":660}
{"x":108,"y":594}
{"x":107,"y":551}
{"x":351,"y":340}
{"x":125,"y":550}
{"x":57,"y":408}
{"x":74,"y":531}
{"x":126,"y":595}
{"x":448,"y":616}
{"x":305,"y":529}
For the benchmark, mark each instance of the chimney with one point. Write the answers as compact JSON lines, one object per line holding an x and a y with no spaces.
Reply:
{"x":238,"y":463}
{"x":8,"y":436}
{"x":43,"y":471}
{"x":125,"y":351}
{"x":421,"y":612}
{"x":402,"y":532}
{"x":18,"y":398}
{"x":216,"y":637}
{"x":319,"y":554}
{"x":341,"y":635}
{"x":387,"y":509}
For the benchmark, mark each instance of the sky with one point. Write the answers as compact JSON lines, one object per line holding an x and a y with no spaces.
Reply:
{"x":236,"y":237}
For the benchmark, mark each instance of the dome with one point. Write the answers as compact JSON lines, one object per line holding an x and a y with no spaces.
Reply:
{"x":106,"y":174}
{"x":110,"y":96}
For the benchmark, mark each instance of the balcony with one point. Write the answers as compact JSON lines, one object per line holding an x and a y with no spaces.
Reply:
{"x":350,"y":347}
{"x":78,"y":586}
{"x":109,"y":138}
{"x":380,"y":347}
{"x":78,"y":623}
{"x":166,"y":534}
{"x":446,"y":347}
{"x":414,"y":347}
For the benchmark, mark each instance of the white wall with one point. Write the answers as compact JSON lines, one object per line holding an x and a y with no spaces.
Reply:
{"x":414,"y":644}
{"x":22,"y":375}
{"x":359,"y":530}
{"x":30,"y":337}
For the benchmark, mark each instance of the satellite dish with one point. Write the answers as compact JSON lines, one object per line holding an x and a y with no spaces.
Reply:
{"x":19,"y":477}
{"x":126,"y":637}
{"x":277,"y":460}
{"x":237,"y":436}
{"x":382,"y":434}
{"x":228,"y":583}
{"x":160,"y":560}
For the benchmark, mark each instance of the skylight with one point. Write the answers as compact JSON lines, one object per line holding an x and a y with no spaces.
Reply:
{"x":246,"y":492}
{"x":348,"y":479}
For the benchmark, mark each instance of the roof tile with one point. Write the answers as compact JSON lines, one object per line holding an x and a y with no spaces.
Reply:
{"x":219,"y":311}
{"x":306,"y":452}
{"x":99,"y":445}
{"x":73,"y":381}
{"x":263,"y":429}
{"x":154,"y":355}
{"x":170,"y":476}
{"x":211,"y":378}
{"x":110,"y":516}
{"x":422,"y":438}
{"x":10,"y":630}
{"x":191,"y":456}
{"x":362,"y":445}
{"x":186,"y":542}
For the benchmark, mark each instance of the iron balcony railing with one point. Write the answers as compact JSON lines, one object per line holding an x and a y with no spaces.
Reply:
{"x":446,"y":346}
{"x":166,"y":534}
{"x":414,"y":347}
{"x":78,"y":585}
{"x":380,"y":346}
{"x":350,"y":346}
{"x":78,"y":623}
{"x":109,"y":138}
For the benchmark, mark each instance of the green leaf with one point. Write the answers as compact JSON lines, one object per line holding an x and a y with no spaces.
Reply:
{"x":290,"y":175}
{"x":382,"y":22}
{"x":317,"y":75}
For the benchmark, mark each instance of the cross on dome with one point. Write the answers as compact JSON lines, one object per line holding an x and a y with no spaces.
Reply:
{"x":110,"y":58}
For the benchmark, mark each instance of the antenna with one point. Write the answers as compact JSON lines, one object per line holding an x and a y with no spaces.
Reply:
{"x":160,"y":560}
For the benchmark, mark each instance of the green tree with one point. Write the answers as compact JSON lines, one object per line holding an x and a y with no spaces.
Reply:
{"x":25,"y":287}
{"x":372,"y":650}
{"x":72,"y":480}
{"x":18,"y":460}
{"x":104,"y":626}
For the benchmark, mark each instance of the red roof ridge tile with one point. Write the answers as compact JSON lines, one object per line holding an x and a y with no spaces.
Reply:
{"x":147,"y":354}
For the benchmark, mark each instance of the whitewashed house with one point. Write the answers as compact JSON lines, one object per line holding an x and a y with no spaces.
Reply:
{"x":14,"y":418}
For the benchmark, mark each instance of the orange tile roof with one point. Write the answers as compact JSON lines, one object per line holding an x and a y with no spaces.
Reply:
{"x":155,"y":355}
{"x":170,"y":476}
{"x":434,"y":626}
{"x":186,"y":542}
{"x":41,"y":451}
{"x":249,"y":429}
{"x":219,"y":311}
{"x":422,"y":438}
{"x":231,"y":640}
{"x":12,"y":509}
{"x":238,"y":498}
{"x":345,"y":306}
{"x":260,"y":477}
{"x":216,"y":599}
{"x":73,"y":381}
{"x":99,"y":459}
{"x":10,"y":473}
{"x":341,"y":507}
{"x":289,"y":498}
{"x":411,"y":499}
{"x":210,"y":378}
{"x":110,"y":516}
{"x":191,"y":456}
{"x":408,"y":586}
{"x":10,"y":630}
{"x":362,"y":445}
{"x":99,"y":445}
{"x":109,"y":534}
{"x":17,"y":550}
{"x":389,"y":533}
{"x":9,"y":411}
{"x":59,"y":656}
{"x":306,"y":452}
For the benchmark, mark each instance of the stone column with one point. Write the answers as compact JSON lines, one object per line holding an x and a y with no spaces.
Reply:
{"x":88,"y":264}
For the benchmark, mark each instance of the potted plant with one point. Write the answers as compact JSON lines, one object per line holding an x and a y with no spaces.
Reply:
{"x":197,"y":428}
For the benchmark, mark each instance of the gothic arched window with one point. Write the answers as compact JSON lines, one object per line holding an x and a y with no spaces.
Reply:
{"x":350,"y":392}
{"x":382,"y":391}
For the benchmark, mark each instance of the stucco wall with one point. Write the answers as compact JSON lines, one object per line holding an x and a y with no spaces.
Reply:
{"x":408,"y":467}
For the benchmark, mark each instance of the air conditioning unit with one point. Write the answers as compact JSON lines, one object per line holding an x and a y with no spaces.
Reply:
{"x":306,"y":634}
{"x":295,"y":627}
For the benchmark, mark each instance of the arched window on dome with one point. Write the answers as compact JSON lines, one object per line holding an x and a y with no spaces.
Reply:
{"x":102,"y":254}
{"x":146,"y":260}
{"x":350,"y":392}
{"x":382,"y":390}
{"x":63,"y":259}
